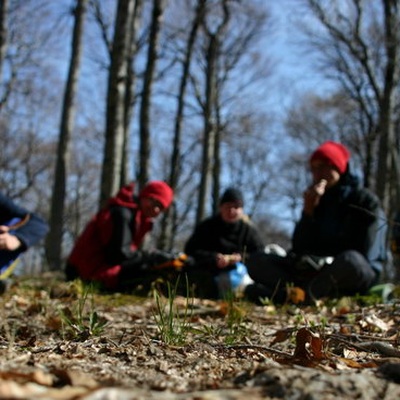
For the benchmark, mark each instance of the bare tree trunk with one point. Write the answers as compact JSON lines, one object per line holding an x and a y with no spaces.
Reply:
{"x":145,"y":106}
{"x":396,"y":170}
{"x":386,"y":120}
{"x":176,"y":163}
{"x":7,"y":85}
{"x":55,"y":236}
{"x":3,"y":33}
{"x":117,"y":86}
{"x":216,"y":171}
{"x":209,"y":111}
{"x":209,"y":129}
{"x":126,"y":172}
{"x":176,"y":151}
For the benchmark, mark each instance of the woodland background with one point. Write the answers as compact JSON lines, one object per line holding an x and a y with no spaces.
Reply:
{"x":201,"y":93}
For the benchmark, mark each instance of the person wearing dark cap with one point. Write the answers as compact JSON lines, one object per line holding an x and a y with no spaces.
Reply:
{"x":220,"y":244}
{"x":108,"y":251}
{"x":339,"y":243}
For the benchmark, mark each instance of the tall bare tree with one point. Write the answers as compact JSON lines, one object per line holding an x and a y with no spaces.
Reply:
{"x":102,"y":19}
{"x":54,"y":239}
{"x":130,"y":95}
{"x":229,"y":36}
{"x":213,"y":35}
{"x":388,"y":154}
{"x":169,"y":218}
{"x":113,"y":167}
{"x":145,"y":103}
{"x":3,"y":32}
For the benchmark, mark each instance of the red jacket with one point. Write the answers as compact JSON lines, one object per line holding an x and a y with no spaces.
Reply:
{"x":89,"y":255}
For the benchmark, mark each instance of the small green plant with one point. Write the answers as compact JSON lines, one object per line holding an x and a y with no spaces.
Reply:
{"x":80,"y":322}
{"x":209,"y":332}
{"x":9,"y":332}
{"x":235,"y":319}
{"x":173,"y":325}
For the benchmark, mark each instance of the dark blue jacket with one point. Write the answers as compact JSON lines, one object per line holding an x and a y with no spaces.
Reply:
{"x":348,"y":217}
{"x":31,"y":232}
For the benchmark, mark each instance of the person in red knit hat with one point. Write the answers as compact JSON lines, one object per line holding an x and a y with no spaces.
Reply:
{"x":339,"y":243}
{"x":108,"y":251}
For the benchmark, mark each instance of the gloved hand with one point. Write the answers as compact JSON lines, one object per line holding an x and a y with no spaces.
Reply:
{"x":158,"y":257}
{"x":177,"y":261}
{"x":188,"y":262}
{"x":183,"y":261}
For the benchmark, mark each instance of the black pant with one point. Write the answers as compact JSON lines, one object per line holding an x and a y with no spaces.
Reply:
{"x":190,"y":282}
{"x":349,"y":274}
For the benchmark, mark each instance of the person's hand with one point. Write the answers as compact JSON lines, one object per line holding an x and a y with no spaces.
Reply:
{"x":156,"y":257}
{"x":8,"y":241}
{"x":312,"y":196}
{"x":225,"y":260}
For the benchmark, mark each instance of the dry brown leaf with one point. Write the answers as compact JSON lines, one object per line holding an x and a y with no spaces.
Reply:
{"x":281,"y":336}
{"x":374,"y":321}
{"x":344,"y":330}
{"x":343,"y":310}
{"x":351,"y":354}
{"x":54,"y":322}
{"x":14,"y":390}
{"x":223,"y":308}
{"x":37,"y":376}
{"x":308,"y":346}
{"x":356,"y":364}
{"x":75,"y":378}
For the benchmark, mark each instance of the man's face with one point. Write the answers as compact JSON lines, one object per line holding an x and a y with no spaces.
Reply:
{"x":231,"y":212}
{"x":321,"y":169}
{"x":151,"y":208}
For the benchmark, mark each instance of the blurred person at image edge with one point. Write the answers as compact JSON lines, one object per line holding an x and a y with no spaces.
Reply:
{"x":20,"y":229}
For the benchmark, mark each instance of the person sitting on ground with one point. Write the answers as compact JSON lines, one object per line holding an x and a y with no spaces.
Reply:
{"x":339,"y":243}
{"x":219,"y":243}
{"x":20,"y":229}
{"x":109,"y":252}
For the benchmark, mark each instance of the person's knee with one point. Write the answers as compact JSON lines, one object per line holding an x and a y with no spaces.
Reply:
{"x":255,"y":261}
{"x":351,"y":255}
{"x":258,"y":260}
{"x":350,"y":260}
{"x":349,"y":273}
{"x":268,"y":269}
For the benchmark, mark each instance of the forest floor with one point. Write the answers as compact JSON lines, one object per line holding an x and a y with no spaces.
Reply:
{"x":64,"y":341}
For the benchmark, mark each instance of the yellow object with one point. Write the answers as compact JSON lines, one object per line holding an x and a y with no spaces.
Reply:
{"x":7,"y":273}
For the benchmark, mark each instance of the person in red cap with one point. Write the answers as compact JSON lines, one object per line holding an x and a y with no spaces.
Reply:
{"x":108,"y":250}
{"x":339,"y":243}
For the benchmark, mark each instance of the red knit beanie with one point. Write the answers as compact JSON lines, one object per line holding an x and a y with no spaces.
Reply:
{"x":159,"y":191}
{"x":335,"y":153}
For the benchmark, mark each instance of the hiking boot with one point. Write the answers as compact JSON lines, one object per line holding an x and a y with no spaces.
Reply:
{"x":4,"y":285}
